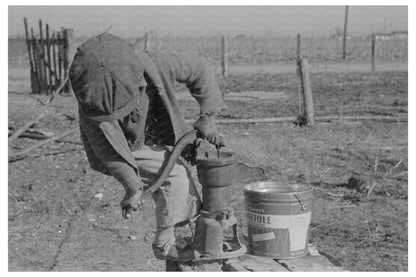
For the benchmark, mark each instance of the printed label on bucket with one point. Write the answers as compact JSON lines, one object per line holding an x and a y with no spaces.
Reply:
{"x":296,"y":224}
{"x":263,"y":237}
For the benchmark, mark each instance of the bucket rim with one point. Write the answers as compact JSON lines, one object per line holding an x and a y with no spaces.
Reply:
{"x":226,"y":158}
{"x":274,"y":185}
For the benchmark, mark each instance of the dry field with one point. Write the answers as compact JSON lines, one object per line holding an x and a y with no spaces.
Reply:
{"x":262,"y":50}
{"x":57,"y":222}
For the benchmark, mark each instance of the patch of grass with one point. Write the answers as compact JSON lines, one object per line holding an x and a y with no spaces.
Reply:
{"x":360,"y":236}
{"x":55,"y":223}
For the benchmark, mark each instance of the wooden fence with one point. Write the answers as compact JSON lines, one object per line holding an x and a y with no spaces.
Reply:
{"x":383,"y":37}
{"x":49,"y":58}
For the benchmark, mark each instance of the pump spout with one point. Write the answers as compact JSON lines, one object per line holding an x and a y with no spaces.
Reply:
{"x":247,"y":174}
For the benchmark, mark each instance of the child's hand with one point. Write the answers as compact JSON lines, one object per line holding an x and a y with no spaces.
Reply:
{"x":207,"y":129}
{"x":130,"y":203}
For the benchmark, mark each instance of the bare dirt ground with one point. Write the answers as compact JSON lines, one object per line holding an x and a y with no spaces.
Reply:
{"x":65,"y":217}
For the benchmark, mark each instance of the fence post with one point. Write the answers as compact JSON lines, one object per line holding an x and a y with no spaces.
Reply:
{"x":146,"y":41}
{"x":28,"y":45}
{"x":305,"y":92}
{"x":48,"y":52}
{"x":344,"y":52}
{"x":68,"y":53}
{"x":44,"y":84}
{"x":298,"y":57}
{"x":60,"y":55}
{"x":36,"y":63}
{"x":55,"y":83}
{"x":33,"y":77}
{"x":373,"y":53}
{"x":224,"y":64}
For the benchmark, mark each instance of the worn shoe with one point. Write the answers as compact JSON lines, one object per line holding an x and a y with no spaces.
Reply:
{"x":174,"y":253}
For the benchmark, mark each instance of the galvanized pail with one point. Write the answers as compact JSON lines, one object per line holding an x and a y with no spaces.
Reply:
{"x":278,"y":219}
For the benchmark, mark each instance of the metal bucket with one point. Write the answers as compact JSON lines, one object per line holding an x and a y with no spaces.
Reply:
{"x":278,"y":219}
{"x":217,"y":175}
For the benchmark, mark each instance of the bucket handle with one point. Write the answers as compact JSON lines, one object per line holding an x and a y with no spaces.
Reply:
{"x":300,"y":200}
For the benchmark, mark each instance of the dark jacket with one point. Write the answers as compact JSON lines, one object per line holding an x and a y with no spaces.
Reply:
{"x":157,"y":115}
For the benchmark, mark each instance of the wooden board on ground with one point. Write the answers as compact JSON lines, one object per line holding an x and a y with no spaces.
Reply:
{"x":252,"y":263}
{"x":303,"y":264}
{"x":310,"y":263}
{"x":317,"y":261}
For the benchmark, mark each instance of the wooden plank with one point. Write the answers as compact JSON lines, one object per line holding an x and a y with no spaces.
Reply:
{"x":30,"y":135}
{"x":315,"y":260}
{"x":23,"y":153}
{"x":28,"y":45}
{"x":253,"y":263}
{"x":48,"y":52}
{"x":33,"y":75}
{"x":58,"y":90}
{"x":196,"y":267}
{"x":211,"y":266}
{"x":60,"y":58}
{"x":309,"y":264}
{"x":51,"y":67}
{"x":20,"y":131}
{"x":36,"y":63}
{"x":234,"y":265}
{"x":55,"y":83}
{"x":43,"y":59}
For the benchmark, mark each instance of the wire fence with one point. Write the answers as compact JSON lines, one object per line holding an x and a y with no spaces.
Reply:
{"x":269,"y":50}
{"x":245,"y":49}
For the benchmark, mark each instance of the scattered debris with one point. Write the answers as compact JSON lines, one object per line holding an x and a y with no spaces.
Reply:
{"x":353,"y":197}
{"x":20,"y":131}
{"x":344,"y":206}
{"x":342,"y":255}
{"x":32,"y":135}
{"x":355,"y":183}
{"x":99,"y":196}
{"x":371,"y":189}
{"x":397,"y":165}
{"x":57,"y":153}
{"x":313,"y":251}
{"x":58,"y":90}
{"x":22,"y":154}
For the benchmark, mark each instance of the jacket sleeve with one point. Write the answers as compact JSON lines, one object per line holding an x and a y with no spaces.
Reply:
{"x":108,"y":158}
{"x":95,"y":163}
{"x":195,"y":72}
